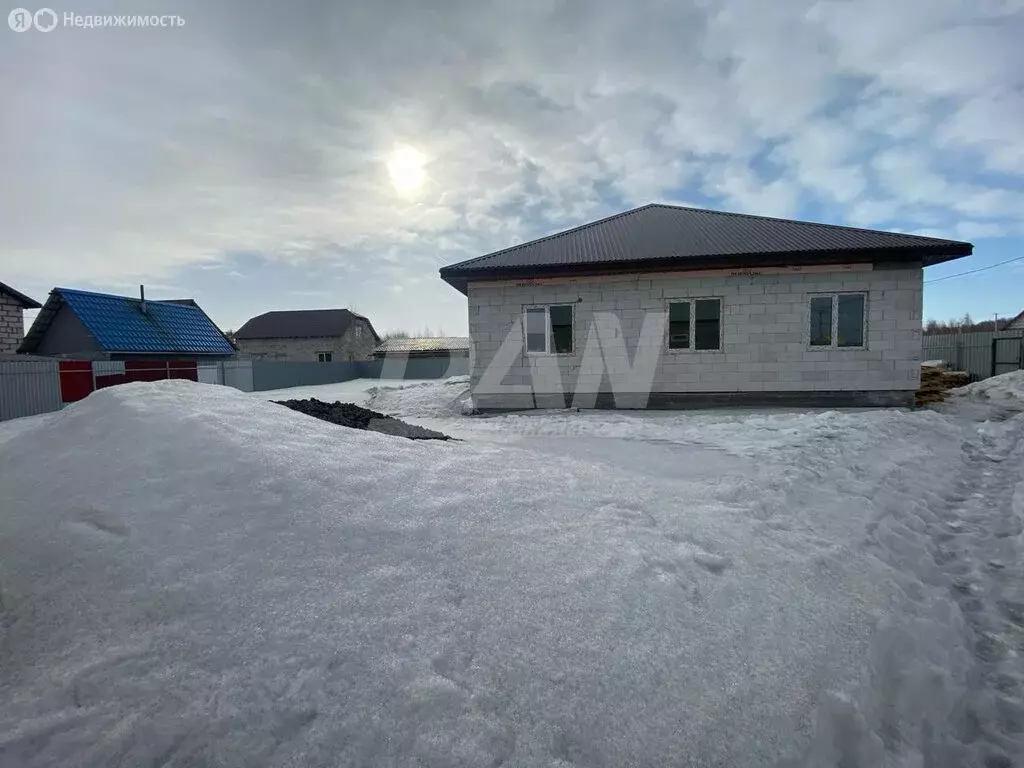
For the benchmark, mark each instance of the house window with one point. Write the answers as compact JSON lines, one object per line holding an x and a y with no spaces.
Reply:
{"x":679,"y":325}
{"x":695,"y":324}
{"x":837,"y":320}
{"x":357,"y":331}
{"x":323,"y":357}
{"x":548,"y":329}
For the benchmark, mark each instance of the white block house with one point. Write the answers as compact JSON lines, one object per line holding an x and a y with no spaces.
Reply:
{"x":665,"y":306}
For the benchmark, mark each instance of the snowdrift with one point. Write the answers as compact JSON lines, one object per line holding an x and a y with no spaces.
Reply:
{"x":442,"y":397}
{"x":1007,"y":387}
{"x":190,"y":575}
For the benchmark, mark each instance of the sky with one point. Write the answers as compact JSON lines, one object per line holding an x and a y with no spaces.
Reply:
{"x":312,"y":154}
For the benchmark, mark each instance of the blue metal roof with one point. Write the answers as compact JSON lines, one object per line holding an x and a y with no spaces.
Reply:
{"x":119,"y":325}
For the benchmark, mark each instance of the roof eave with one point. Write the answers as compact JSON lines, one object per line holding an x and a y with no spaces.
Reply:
{"x":41,"y":323}
{"x":205,"y":353}
{"x":27,"y":302}
{"x":926,"y":255}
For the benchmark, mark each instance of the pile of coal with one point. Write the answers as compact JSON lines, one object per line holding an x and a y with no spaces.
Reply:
{"x":349,"y":415}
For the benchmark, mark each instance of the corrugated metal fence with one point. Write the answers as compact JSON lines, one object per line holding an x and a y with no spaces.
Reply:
{"x":981,"y":354}
{"x":230,"y":373}
{"x":270,"y":374}
{"x":28,"y":388}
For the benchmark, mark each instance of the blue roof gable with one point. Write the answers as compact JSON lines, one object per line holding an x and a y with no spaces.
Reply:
{"x":119,"y":325}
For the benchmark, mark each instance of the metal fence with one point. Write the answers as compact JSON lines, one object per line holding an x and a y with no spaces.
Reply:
{"x":981,"y":354}
{"x":263,"y":375}
{"x":28,"y":388}
{"x":231,"y":373}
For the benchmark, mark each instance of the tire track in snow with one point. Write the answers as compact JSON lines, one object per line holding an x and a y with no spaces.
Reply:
{"x":981,"y":549}
{"x":944,"y":681}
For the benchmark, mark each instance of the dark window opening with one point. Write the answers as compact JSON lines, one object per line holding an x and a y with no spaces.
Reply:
{"x":821,"y":321}
{"x":850,"y":320}
{"x":561,"y":329}
{"x":837,"y":320}
{"x":707,"y":324}
{"x":679,"y":325}
{"x":549,"y":329}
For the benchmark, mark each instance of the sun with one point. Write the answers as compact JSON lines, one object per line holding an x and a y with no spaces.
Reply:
{"x":405,"y":166}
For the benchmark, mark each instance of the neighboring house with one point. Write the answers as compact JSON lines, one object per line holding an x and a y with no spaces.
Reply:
{"x":1016,"y":324}
{"x":83,"y":325}
{"x":12,"y":322}
{"x":434,"y":348}
{"x":666,"y":306}
{"x":319,"y":335}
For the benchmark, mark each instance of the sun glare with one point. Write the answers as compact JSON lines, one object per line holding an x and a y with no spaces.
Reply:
{"x":405,"y":166}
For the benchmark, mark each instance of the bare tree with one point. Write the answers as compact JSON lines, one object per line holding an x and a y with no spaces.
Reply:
{"x":962,"y":325}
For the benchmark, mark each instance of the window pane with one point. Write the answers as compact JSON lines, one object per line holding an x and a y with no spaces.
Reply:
{"x":679,"y":325}
{"x":535,"y":330}
{"x":707,"y":323}
{"x":561,"y":329}
{"x":851,"y":320}
{"x":821,"y":321}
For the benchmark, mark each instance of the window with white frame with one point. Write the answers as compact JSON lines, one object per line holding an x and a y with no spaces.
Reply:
{"x":838,"y":320}
{"x":548,"y":329}
{"x":323,"y":357}
{"x":357,"y":331}
{"x":695,"y":324}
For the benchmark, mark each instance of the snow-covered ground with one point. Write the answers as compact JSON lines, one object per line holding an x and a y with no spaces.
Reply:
{"x":1006,"y":387}
{"x":356,"y":391}
{"x":190,"y":575}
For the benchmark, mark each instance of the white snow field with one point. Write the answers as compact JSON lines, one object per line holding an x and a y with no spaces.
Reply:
{"x":1008,"y":386}
{"x":192,"y":576}
{"x":355,"y":391}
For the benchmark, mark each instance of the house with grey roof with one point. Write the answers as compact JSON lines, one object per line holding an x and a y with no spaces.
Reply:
{"x":12,"y":322}
{"x":670,"y":306}
{"x":309,"y":335}
{"x":434,"y":347}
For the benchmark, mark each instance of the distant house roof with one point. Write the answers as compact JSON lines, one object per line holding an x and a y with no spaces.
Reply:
{"x":1015,"y":322}
{"x":301,"y":324}
{"x":664,"y":237}
{"x":25,"y":301}
{"x":119,"y":325}
{"x":423,"y":346}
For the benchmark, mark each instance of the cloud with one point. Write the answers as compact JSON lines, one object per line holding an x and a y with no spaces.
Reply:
{"x":907,"y":175}
{"x":133,"y":155}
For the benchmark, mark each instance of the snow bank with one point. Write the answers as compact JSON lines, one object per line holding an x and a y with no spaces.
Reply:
{"x":191,"y":575}
{"x":355,"y":391}
{"x":1005,"y":387}
{"x":439,"y":397}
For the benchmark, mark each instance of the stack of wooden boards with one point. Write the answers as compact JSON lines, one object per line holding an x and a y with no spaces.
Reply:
{"x":936,"y":383}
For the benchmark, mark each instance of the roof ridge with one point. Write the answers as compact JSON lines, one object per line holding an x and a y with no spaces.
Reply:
{"x":27,"y":302}
{"x":330,"y":309}
{"x":795,"y":221}
{"x":170,"y":302}
{"x":117,"y":326}
{"x":554,"y":235}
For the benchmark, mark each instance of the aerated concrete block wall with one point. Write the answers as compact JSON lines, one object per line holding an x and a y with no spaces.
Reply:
{"x":343,"y":349}
{"x":765,"y":336}
{"x":12,"y":324}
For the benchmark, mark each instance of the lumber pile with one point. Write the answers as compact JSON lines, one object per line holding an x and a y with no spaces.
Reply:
{"x":936,"y":383}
